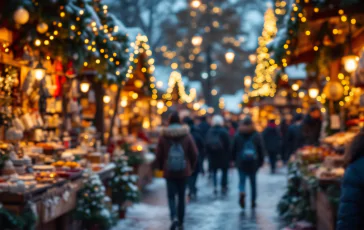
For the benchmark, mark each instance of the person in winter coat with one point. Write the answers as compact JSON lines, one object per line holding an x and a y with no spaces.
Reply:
{"x":204,"y":126}
{"x":311,"y":127}
{"x":283,"y":128}
{"x":294,"y":138}
{"x":177,"y":158}
{"x":217,"y":145}
{"x":245,"y":140}
{"x":351,"y":212}
{"x":273,"y":143}
{"x":200,"y":143}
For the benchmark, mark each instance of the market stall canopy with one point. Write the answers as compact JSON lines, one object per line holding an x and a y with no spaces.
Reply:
{"x":310,"y":27}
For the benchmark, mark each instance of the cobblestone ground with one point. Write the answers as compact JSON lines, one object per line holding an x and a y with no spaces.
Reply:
{"x":211,"y":212}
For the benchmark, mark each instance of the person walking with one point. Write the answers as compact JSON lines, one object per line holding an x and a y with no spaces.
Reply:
{"x":294,"y":138}
{"x":351,"y":212}
{"x":311,"y":127}
{"x":272,"y":142}
{"x":283,"y":128}
{"x":218,"y":150}
{"x":177,"y":158}
{"x":200,"y":144}
{"x":248,"y":155}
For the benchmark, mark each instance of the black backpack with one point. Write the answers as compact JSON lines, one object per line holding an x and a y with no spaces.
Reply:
{"x":213,"y":142}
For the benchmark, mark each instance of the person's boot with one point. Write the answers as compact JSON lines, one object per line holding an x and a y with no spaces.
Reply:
{"x":242,"y":200}
{"x":254,"y":205}
{"x":174,"y":225}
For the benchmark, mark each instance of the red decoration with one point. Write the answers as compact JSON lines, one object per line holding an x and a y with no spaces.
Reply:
{"x":59,"y":79}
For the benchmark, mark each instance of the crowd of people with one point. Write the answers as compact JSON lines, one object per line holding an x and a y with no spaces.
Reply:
{"x":186,"y":143}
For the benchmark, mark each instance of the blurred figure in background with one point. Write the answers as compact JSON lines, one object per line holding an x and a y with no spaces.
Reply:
{"x":248,"y":155}
{"x":351,"y":212}
{"x":177,"y":158}
{"x":294,"y":138}
{"x":230,"y":128}
{"x":196,"y":134}
{"x":204,"y":126}
{"x":283,"y":128}
{"x":218,"y":150}
{"x":311,"y":127}
{"x":273,"y":143}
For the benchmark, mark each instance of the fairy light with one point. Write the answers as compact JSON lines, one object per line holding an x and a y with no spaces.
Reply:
{"x":263,"y":81}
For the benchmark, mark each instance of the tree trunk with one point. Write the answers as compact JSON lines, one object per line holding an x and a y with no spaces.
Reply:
{"x":112,"y":122}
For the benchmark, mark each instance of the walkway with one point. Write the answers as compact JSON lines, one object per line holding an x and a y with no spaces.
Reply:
{"x":211,"y":212}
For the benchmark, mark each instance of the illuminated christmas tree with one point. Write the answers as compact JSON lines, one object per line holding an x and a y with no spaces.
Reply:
{"x":264,"y":84}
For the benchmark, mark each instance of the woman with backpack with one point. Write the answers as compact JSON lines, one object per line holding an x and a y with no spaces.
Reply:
{"x":217,"y":146}
{"x":177,"y":158}
{"x":248,"y":155}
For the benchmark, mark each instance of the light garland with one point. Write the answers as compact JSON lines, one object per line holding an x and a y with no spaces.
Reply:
{"x":176,"y":78}
{"x":263,"y":81}
{"x":140,"y":47}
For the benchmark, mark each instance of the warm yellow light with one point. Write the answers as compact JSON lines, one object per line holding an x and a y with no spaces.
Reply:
{"x":196,"y":106}
{"x":350,"y":63}
{"x":160,"y":105}
{"x":138,"y":83}
{"x":135,"y":96}
{"x":301,"y":94}
{"x":295,"y":87}
{"x":308,"y":33}
{"x":39,"y":72}
{"x":124,"y":103}
{"x":62,"y":14}
{"x":313,"y":92}
{"x":315,"y":48}
{"x":174,"y":65}
{"x":230,"y":56}
{"x":37,"y":42}
{"x":197,"y":40}
{"x":247,"y":81}
{"x":195,"y":4}
{"x":344,"y":18}
{"x":84,"y":86}
{"x":159,"y":84}
{"x":214,"y":92}
{"x":106,"y":99}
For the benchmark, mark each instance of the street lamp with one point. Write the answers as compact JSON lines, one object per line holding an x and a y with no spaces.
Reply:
{"x":84,"y":86}
{"x":195,"y":4}
{"x":230,"y":56}
{"x":197,"y":40}
{"x":247,"y":81}
{"x":39,"y":71}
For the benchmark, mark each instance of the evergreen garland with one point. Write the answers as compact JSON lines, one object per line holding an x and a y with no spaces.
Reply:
{"x":11,"y":221}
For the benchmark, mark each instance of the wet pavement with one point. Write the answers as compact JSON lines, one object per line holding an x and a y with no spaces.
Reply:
{"x":211,"y":212}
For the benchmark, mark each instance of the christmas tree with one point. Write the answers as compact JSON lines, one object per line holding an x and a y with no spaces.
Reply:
{"x":91,"y":209}
{"x":123,"y":184}
{"x":264,"y":84}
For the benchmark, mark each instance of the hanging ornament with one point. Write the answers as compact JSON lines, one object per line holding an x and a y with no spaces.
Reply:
{"x":70,"y":73}
{"x":334,"y":90}
{"x":21,"y":16}
{"x":42,"y":27}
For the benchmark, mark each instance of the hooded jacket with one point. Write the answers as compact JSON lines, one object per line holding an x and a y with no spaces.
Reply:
{"x":351,"y":213}
{"x":181,"y":134}
{"x":240,"y":139}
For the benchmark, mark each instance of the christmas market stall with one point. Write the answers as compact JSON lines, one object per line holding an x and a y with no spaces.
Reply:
{"x":53,"y":167}
{"x":329,"y":39}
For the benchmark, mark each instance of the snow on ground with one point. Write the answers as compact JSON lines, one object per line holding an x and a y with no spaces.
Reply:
{"x":211,"y":212}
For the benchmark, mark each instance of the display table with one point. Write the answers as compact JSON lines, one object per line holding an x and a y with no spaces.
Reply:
{"x":53,"y":203}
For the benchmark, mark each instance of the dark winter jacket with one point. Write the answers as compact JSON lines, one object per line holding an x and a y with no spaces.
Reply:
{"x":204,"y":128}
{"x":272,"y":139}
{"x":294,"y":139}
{"x":181,"y":134}
{"x":311,"y":130}
{"x":200,"y":144}
{"x":222,"y":158}
{"x":351,"y":211}
{"x":238,"y":145}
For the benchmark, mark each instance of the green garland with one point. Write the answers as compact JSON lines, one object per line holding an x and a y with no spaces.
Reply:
{"x":11,"y":221}
{"x":78,"y":29}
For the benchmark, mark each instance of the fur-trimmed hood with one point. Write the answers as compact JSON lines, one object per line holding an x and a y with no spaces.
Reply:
{"x":175,"y":131}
